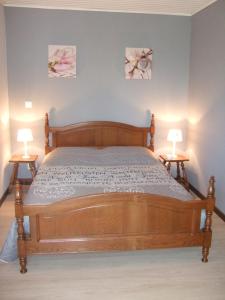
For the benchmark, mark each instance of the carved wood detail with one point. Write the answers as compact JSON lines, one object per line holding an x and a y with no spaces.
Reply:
{"x":98,"y":134}
{"x":20,"y":228}
{"x":111,"y":221}
{"x":47,"y":131}
{"x":152,"y":133}
{"x":208,"y":223}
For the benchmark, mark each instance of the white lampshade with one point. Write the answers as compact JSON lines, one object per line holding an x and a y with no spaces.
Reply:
{"x":24,"y":135}
{"x":175,"y":135}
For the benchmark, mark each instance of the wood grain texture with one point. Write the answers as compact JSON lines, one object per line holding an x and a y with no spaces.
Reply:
{"x":98,"y":134}
{"x":21,"y":159}
{"x":16,"y":160}
{"x":115,"y":221}
{"x":170,"y":274}
{"x":179,"y":160}
{"x":111,"y":221}
{"x":174,"y":273}
{"x":166,"y":158}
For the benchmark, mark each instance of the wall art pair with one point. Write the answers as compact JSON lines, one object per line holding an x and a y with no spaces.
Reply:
{"x":62,"y":62}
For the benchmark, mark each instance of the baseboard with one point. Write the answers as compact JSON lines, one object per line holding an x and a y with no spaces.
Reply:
{"x":219,"y":213}
{"x":201,"y":196}
{"x":2,"y":199}
{"x":23,"y":181}
{"x":196,"y":192}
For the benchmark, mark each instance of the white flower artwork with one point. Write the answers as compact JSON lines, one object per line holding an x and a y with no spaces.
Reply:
{"x":61,"y":61}
{"x":138,"y":63}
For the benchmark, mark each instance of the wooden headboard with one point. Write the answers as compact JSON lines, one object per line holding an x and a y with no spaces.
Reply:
{"x":98,"y":134}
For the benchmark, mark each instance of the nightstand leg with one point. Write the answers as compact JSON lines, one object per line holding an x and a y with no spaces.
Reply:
{"x":178,"y":172}
{"x":168,"y":167}
{"x":14,"y":176}
{"x":33,"y":170}
{"x":186,"y":184}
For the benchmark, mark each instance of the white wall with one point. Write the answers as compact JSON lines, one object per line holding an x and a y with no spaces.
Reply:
{"x":4,"y":110}
{"x":207,"y":100}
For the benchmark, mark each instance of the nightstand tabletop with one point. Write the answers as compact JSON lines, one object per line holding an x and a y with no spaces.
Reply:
{"x":178,"y":157}
{"x":20,"y":159}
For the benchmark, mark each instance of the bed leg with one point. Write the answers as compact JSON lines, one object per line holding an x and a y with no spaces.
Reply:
{"x":23,"y":264}
{"x":205,"y":253}
{"x":20,"y":229}
{"x":207,"y":236}
{"x":208,"y":223}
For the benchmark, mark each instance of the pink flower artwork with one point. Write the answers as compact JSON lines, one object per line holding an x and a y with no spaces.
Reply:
{"x":138,"y":63}
{"x":61,"y":61}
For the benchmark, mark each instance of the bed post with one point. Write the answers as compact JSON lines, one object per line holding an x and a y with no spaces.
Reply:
{"x":20,"y":229}
{"x":46,"y":134}
{"x":208,"y":223}
{"x":152,"y":133}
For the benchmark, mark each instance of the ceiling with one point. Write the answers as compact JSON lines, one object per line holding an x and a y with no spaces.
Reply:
{"x":170,"y":7}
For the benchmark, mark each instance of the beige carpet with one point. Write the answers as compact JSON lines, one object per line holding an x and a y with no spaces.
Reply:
{"x":154,"y":274}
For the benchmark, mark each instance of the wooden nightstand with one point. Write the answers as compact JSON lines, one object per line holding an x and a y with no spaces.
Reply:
{"x":17,"y":160}
{"x":179,"y":160}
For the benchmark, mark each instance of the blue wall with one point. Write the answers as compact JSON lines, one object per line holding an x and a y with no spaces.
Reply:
{"x":100,"y":91}
{"x":207,"y":99}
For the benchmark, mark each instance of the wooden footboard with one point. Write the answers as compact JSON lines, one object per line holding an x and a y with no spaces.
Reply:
{"x":113,"y":221}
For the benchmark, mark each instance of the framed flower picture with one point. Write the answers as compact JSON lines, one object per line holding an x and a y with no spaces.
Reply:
{"x":138,"y":63}
{"x":61,"y":61}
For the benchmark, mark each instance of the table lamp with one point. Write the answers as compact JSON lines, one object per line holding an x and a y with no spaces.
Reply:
{"x":174,"y":135}
{"x":25,"y":135}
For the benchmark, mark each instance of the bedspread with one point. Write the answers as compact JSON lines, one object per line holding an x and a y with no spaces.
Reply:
{"x":75,"y":171}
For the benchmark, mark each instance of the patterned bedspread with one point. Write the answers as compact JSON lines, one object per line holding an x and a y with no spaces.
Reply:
{"x":69,"y":172}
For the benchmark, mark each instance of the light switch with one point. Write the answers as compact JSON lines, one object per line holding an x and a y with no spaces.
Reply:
{"x":28,"y":104}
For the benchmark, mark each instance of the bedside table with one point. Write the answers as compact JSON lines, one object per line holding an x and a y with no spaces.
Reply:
{"x":179,"y":160}
{"x":17,"y":160}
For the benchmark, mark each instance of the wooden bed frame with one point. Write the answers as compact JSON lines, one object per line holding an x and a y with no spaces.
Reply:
{"x":110,"y":221}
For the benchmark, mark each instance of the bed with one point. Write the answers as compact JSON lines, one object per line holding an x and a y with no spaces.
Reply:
{"x":120,"y":215}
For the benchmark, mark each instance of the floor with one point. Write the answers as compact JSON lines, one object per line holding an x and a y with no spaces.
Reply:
{"x":155,"y":274}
